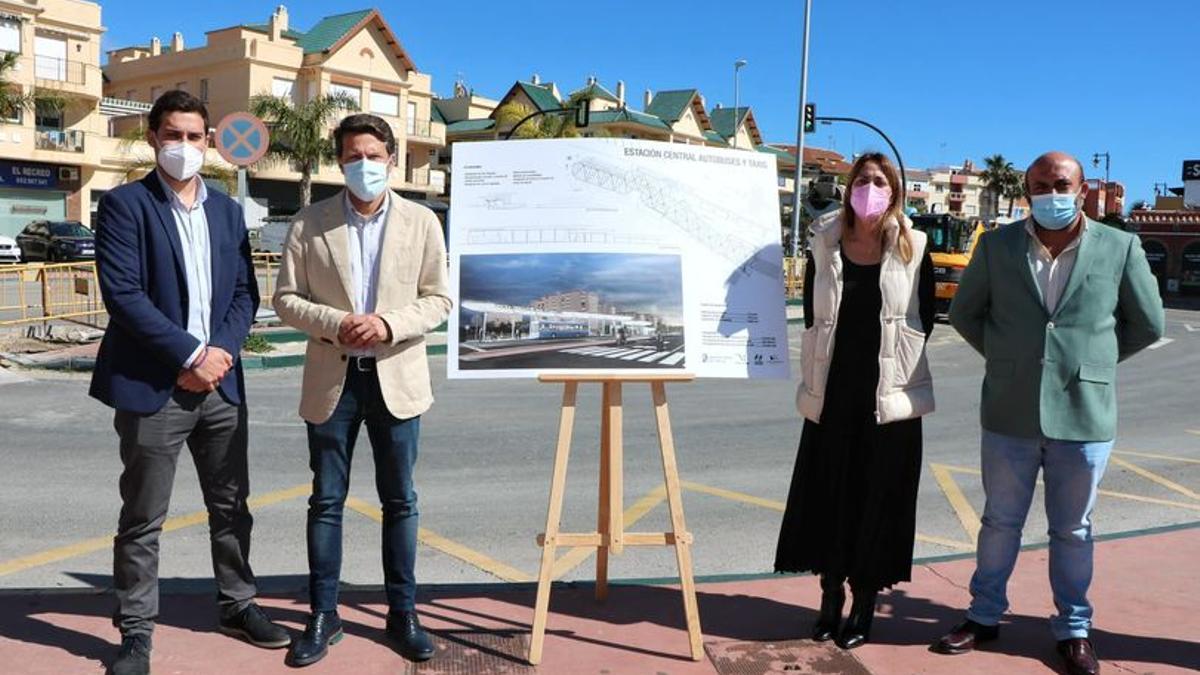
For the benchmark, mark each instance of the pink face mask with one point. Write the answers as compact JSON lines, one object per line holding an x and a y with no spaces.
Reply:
{"x":869,"y":201}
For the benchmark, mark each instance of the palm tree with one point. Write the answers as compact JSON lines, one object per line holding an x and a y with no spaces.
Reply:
{"x":1013,"y":187}
{"x":997,"y":177}
{"x":300,"y":132}
{"x":555,"y":125}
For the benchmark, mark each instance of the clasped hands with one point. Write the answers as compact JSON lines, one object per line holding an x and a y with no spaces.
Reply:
{"x":360,"y":331}
{"x":204,"y":375}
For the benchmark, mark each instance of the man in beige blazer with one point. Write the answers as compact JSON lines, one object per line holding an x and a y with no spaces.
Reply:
{"x":364,"y":275}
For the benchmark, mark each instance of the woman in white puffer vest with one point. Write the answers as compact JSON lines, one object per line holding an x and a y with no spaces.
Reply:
{"x":868,"y":310}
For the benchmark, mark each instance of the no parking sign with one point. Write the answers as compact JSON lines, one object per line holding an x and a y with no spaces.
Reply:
{"x":242,"y":139}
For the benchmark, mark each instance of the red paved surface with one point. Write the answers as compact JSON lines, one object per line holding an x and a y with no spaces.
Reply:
{"x":1144,"y":591}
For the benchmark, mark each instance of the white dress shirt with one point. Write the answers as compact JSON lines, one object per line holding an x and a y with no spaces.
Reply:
{"x":192,"y":224}
{"x":366,"y":238}
{"x":1051,"y":273}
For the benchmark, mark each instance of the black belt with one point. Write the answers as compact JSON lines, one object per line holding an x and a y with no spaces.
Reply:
{"x":363,"y":364}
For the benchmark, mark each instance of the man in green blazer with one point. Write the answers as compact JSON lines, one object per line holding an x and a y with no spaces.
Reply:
{"x":1052,"y":302}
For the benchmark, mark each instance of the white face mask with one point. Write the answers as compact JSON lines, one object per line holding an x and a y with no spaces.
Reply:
{"x":180,"y":160}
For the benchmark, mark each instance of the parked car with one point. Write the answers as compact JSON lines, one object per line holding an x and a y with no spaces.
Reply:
{"x":9,"y":251}
{"x":56,"y":241}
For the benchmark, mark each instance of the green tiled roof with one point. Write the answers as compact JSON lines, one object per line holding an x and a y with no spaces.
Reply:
{"x":613,"y":116}
{"x":722,"y":120}
{"x":670,"y":105}
{"x":542,"y":95}
{"x":714,"y":137}
{"x":329,"y":30}
{"x":783,"y":155}
{"x":436,"y":113}
{"x":595,"y":91}
{"x":264,"y":28}
{"x":470,"y":125}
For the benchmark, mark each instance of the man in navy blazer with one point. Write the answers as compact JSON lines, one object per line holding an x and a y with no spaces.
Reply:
{"x":178,"y":282}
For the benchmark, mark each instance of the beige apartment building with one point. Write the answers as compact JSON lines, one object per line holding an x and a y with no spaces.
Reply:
{"x":53,"y":153}
{"x":355,"y":54}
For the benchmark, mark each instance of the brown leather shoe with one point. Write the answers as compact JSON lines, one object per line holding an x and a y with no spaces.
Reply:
{"x":1080,"y":656}
{"x":965,"y":637}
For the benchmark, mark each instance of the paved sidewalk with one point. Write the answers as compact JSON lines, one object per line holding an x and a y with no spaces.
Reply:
{"x":1144,"y":591}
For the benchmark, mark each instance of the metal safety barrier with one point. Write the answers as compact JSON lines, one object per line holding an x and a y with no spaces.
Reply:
{"x":40,"y":293}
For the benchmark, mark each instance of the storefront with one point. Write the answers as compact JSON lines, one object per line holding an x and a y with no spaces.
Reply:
{"x":32,"y":191}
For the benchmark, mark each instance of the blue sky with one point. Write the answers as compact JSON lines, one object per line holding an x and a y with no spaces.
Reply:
{"x":947,"y":80}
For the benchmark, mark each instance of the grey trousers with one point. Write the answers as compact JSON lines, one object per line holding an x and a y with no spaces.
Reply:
{"x":215,"y":432}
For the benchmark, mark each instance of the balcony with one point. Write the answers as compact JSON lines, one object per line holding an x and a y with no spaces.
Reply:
{"x":66,"y":76}
{"x":426,"y":131}
{"x":70,"y":140}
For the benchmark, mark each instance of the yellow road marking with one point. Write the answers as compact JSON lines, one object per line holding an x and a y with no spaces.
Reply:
{"x":448,"y":546}
{"x":1151,"y":455}
{"x":101,"y":543}
{"x":1150,"y":475}
{"x":1105,"y":493}
{"x":958,"y":501}
{"x":575,"y":557}
{"x":780,"y":506}
{"x":735,"y":496}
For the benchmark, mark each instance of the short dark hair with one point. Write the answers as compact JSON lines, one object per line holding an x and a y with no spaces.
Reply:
{"x":176,"y":100}
{"x":363,"y":123}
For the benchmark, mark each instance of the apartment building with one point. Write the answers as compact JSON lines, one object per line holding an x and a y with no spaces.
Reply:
{"x":355,"y":54}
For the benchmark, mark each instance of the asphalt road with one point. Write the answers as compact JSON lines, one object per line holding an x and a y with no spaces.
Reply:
{"x":635,"y":353}
{"x":486,"y":455}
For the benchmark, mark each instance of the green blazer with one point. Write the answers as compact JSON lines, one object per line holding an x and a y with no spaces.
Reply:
{"x":1049,"y":375}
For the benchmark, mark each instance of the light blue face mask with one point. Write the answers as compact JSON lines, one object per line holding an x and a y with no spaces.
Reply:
{"x":1055,"y":211}
{"x":366,"y":179}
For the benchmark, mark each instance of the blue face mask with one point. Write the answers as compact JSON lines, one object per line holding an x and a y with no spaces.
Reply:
{"x":1055,"y":211}
{"x":366,"y":179}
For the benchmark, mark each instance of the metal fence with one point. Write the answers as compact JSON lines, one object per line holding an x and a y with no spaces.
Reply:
{"x":37,"y":293}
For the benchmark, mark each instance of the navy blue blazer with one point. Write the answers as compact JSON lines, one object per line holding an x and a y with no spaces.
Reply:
{"x":139,"y":260}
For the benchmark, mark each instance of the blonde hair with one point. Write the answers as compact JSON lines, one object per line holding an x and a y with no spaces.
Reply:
{"x":895,"y":209}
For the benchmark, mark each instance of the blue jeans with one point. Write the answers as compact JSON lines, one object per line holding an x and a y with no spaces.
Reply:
{"x":331,"y":448}
{"x":1071,"y":471}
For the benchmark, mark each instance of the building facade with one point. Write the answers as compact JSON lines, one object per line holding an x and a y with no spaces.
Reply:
{"x":355,"y":54}
{"x":1171,"y":239}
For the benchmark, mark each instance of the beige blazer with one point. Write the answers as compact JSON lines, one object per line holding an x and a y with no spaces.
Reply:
{"x":313,"y":294}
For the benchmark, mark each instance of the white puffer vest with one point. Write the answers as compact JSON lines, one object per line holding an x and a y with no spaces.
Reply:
{"x":905,"y":387}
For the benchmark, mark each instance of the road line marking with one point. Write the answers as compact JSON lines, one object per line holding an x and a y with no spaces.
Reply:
{"x":637,"y":355}
{"x":1162,"y":342}
{"x":673,"y":359}
{"x":735,"y":496}
{"x":780,"y":506}
{"x":654,"y":357}
{"x":632,"y":515}
{"x":1151,"y":455}
{"x":101,"y":543}
{"x":1150,"y":475}
{"x":1194,"y":432}
{"x":958,"y":501}
{"x":448,"y":546}
{"x":1105,"y":493}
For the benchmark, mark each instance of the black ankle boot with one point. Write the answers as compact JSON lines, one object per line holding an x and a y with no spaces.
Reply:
{"x":833,"y":597}
{"x":857,"y":629}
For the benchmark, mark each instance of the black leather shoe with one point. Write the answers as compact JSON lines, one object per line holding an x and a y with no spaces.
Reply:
{"x":323,"y":629}
{"x":1079,"y":656}
{"x":410,"y":639}
{"x":965,"y":637}
{"x":833,"y":598}
{"x":134,"y":657}
{"x":252,"y":625}
{"x":857,"y":629}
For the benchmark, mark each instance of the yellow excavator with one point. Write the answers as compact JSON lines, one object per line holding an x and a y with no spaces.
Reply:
{"x":951,"y":242}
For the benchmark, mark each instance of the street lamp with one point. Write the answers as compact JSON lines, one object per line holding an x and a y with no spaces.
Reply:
{"x":737,"y":66}
{"x":1096,"y":163}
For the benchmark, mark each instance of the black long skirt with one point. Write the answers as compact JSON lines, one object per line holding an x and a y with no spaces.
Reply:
{"x":851,"y":509}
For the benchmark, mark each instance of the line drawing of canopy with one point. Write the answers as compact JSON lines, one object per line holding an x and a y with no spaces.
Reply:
{"x":497,"y":308}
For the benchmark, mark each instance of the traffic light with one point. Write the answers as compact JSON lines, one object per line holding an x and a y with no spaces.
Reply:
{"x":810,"y":117}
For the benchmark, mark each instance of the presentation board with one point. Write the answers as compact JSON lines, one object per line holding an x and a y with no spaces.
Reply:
{"x":615,"y":255}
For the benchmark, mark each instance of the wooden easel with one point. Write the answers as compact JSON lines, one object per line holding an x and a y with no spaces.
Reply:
{"x":611,"y":536}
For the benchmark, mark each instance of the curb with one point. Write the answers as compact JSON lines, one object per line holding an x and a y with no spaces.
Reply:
{"x":85,"y":364}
